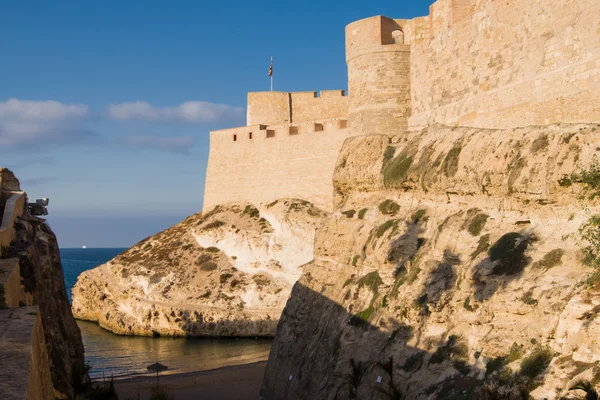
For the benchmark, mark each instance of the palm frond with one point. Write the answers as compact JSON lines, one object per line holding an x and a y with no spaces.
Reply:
{"x":588,"y":388}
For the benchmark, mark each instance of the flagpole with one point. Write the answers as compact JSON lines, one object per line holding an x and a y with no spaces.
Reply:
{"x":271,"y":74}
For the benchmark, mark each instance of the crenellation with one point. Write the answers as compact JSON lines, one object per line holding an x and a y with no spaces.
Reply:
{"x":475,"y":63}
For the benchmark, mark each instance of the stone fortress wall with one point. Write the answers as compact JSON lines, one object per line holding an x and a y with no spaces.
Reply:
{"x":477,"y":63}
{"x":504,"y":64}
{"x":274,"y":108}
{"x":263,"y":163}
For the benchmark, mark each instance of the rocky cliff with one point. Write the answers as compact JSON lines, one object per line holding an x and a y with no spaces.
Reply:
{"x":34,"y":249}
{"x":227,"y":272}
{"x":451,"y":269}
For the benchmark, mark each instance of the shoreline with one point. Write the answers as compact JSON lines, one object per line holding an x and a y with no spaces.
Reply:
{"x":234,"y":382}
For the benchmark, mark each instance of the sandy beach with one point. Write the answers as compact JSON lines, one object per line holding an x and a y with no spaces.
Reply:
{"x":239,"y":382}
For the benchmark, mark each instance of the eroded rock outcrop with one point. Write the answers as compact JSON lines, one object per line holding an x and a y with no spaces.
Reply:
{"x":452,"y":267}
{"x":56,"y":352}
{"x":227,"y":272}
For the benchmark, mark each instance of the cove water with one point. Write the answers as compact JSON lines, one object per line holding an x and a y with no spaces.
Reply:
{"x":117,"y":356}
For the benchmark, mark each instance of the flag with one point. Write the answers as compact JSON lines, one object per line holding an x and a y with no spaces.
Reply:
{"x":271,"y":69}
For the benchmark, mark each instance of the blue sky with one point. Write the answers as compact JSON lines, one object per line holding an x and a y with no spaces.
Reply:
{"x":106,"y":106}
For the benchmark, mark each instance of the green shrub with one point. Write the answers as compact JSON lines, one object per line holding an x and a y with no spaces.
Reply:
{"x":208,"y":266}
{"x":509,"y":251}
{"x":483,"y":245}
{"x":413,"y":274}
{"x":349,"y":213}
{"x":551,"y":259}
{"x":419,"y":215}
{"x":384,"y":227}
{"x":494,"y":365}
{"x":362,"y":212}
{"x":515,"y":352}
{"x":467,"y":305}
{"x":477,"y":223}
{"x":202,"y":258}
{"x":213,"y":225}
{"x":355,"y":260}
{"x":399,"y":281}
{"x":528,"y":299}
{"x":372,"y":281}
{"x":588,"y":388}
{"x":396,"y":170}
{"x":347,"y":282}
{"x":251,"y":211}
{"x":455,"y":349}
{"x":450,"y":164}
{"x":261,"y":280}
{"x":388,"y":154}
{"x":384,"y":301}
{"x":539,"y":144}
{"x":389,"y":207}
{"x":224,"y":277}
{"x":536,"y":362}
{"x":590,"y":233}
{"x":212,"y":249}
{"x":362,"y":317}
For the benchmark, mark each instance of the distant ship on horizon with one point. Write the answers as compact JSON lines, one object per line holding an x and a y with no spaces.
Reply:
{"x":84,"y":247}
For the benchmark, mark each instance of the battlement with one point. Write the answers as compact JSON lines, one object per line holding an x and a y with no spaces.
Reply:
{"x":473,"y":63}
{"x":262,"y":163}
{"x":274,"y":108}
{"x":253,"y":133}
{"x":373,"y":35}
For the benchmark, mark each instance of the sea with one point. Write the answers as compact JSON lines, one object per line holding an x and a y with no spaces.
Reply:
{"x":119,"y":357}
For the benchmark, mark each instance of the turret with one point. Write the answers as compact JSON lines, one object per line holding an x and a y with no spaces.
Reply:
{"x":378,"y":76}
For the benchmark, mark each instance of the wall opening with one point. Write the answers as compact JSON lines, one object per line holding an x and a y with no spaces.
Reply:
{"x":398,"y":36}
{"x":318,"y":127}
{"x":293,"y":130}
{"x":270,"y":133}
{"x":235,"y":138}
{"x":250,"y":135}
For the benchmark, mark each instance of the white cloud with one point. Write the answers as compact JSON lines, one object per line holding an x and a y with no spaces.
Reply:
{"x":190,"y":111}
{"x":39,"y":122}
{"x":179,"y":144}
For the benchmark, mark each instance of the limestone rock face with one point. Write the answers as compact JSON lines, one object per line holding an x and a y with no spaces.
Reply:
{"x":36,"y":247}
{"x":8,"y":181}
{"x":227,"y":272}
{"x":450,"y":269}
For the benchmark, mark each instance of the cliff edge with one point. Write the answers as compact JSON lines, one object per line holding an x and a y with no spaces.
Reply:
{"x":31,"y":274}
{"x":227,"y":272}
{"x":452,"y":268}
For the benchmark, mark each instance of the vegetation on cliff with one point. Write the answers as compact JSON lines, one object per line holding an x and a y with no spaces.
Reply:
{"x":467,"y":282}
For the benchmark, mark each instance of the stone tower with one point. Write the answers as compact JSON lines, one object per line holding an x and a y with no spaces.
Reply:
{"x":378,"y":76}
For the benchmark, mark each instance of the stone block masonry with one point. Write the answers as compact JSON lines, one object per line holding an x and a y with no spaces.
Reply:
{"x":473,"y":63}
{"x":505,"y":64}
{"x":25,"y":372}
{"x":276,"y":108}
{"x":263,"y":163}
